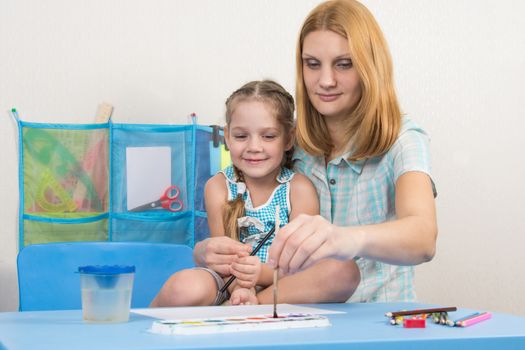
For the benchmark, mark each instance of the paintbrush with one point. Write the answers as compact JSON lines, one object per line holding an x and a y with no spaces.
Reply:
{"x":276,"y":271}
{"x":232,"y":278}
{"x":275,"y":281}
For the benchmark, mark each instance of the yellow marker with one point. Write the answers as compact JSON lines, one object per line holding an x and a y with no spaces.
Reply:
{"x":225,"y":157}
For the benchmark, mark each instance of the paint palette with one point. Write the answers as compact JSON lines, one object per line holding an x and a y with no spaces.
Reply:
{"x":238,"y":324}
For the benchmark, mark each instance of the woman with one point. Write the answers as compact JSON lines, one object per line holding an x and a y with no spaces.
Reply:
{"x":370,"y":165}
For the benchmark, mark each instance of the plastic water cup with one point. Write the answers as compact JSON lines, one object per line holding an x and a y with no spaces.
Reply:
{"x":106,"y":292}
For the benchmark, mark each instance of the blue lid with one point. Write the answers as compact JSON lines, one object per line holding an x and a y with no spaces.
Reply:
{"x":106,"y":269}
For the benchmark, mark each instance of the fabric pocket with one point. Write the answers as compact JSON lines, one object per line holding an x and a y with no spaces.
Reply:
{"x":167,"y":228}
{"x":37,"y":230}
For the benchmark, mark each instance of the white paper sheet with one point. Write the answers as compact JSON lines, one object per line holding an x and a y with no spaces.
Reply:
{"x":227,"y":311}
{"x":148,"y":174}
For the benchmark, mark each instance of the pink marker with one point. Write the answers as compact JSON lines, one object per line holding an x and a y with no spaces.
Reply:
{"x":475,"y":319}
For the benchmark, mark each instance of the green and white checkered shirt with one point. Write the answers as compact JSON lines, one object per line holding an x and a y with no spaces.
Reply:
{"x":265,"y":213}
{"x":362,"y":193}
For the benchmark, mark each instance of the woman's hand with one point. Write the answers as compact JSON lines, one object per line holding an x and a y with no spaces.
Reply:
{"x":218,"y":253}
{"x":247,"y":269}
{"x":307,"y":239}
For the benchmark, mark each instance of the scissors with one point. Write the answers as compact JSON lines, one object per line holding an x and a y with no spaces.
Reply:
{"x":169,"y":200}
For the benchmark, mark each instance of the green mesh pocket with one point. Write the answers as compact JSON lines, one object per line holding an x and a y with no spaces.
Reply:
{"x":65,"y":171}
{"x":46,"y":232}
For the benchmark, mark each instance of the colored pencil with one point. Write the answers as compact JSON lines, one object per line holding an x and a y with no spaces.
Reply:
{"x":267,"y":237}
{"x":455,"y":322}
{"x":420,"y":311}
{"x":474,"y":319}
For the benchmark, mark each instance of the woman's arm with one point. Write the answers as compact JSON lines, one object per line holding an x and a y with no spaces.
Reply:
{"x":408,"y":240}
{"x":411,"y":239}
{"x":325,"y":281}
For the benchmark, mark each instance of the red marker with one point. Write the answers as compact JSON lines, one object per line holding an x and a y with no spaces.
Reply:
{"x":414,"y":323}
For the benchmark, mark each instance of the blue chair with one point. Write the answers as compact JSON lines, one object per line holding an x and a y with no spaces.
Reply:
{"x":48,"y":278}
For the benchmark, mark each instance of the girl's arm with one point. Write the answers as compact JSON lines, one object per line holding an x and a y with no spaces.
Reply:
{"x":303,"y":197}
{"x":266,"y":278}
{"x":408,"y":240}
{"x":219,"y":251}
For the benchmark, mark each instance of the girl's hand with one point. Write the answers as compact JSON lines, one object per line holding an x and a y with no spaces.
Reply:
{"x":244,"y":296}
{"x":218,"y":253}
{"x":307,"y":239}
{"x":247,"y":269}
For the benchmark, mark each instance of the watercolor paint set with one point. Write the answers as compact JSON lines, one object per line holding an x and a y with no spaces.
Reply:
{"x":238,"y":324}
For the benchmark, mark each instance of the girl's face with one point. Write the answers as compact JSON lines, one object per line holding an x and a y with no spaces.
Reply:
{"x":256,"y":140}
{"x":331,"y":81}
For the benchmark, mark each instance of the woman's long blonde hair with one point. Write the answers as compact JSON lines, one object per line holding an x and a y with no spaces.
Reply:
{"x":282,"y":104}
{"x":374,"y":123}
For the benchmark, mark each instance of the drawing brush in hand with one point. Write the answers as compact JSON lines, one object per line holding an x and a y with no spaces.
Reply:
{"x":232,"y":278}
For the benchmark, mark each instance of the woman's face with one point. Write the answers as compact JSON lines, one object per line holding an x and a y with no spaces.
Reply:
{"x":331,"y":81}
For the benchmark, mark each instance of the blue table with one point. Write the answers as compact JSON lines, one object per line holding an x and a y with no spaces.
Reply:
{"x":363,"y":326}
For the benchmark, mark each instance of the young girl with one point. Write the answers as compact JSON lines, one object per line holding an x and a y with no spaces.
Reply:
{"x":242,"y":202}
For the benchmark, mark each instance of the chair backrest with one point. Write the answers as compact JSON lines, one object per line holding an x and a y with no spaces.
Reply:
{"x":48,"y":278}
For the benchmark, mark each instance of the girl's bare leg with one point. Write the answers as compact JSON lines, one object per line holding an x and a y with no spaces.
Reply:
{"x":192,"y":287}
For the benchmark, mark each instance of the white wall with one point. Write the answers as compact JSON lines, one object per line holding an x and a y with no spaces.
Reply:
{"x":460,"y":67}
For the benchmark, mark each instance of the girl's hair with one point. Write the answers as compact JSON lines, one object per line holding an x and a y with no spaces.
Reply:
{"x":374,"y":123}
{"x":282,"y":104}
